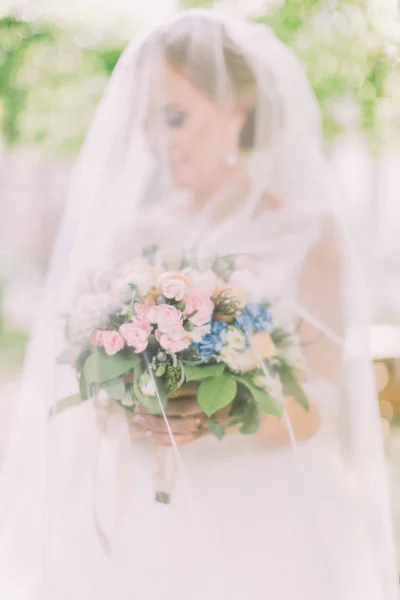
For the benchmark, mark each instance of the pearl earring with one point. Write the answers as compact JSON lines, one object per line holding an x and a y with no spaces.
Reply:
{"x":232,"y":157}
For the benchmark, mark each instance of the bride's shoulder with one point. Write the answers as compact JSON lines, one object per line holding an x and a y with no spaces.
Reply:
{"x":267,"y":203}
{"x":325,"y":255}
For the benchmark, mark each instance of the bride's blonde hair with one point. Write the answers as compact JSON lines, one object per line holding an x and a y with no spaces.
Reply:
{"x":200,"y":49}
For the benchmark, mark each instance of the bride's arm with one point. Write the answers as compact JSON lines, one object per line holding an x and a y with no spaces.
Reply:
{"x":320,"y":295}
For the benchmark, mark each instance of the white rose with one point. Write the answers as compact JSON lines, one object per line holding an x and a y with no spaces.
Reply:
{"x":90,"y":312}
{"x":124,"y":291}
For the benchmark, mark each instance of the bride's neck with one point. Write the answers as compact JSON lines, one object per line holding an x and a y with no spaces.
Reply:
{"x":229,"y":184}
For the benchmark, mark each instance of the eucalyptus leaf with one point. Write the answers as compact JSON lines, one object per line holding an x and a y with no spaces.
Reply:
{"x":194,"y":373}
{"x":252,"y":418}
{"x":291,"y":387}
{"x":268,"y":403}
{"x":84,"y":388}
{"x":99,"y":367}
{"x":215,"y":393}
{"x":80,"y":361}
{"x":115,"y":388}
{"x":69,"y":356}
{"x":217,"y":429}
{"x":64,"y":404}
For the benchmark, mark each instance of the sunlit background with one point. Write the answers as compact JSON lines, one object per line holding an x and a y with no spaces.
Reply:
{"x":55,"y":59}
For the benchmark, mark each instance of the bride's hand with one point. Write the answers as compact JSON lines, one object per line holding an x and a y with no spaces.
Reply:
{"x":185,"y":418}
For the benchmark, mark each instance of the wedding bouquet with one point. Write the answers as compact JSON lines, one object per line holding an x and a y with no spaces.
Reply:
{"x":140,"y":332}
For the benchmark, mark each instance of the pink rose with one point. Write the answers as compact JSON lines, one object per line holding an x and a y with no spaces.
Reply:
{"x":174,"y":341}
{"x":142,"y":310}
{"x":136,"y":335}
{"x":96,"y":339}
{"x":167,"y":317}
{"x":113,"y":342}
{"x":203,"y":306}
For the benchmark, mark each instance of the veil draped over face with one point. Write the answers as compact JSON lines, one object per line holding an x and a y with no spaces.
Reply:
{"x":138,"y":183}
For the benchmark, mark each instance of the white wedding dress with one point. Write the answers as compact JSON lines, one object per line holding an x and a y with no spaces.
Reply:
{"x":309,"y":521}
{"x":246,"y":521}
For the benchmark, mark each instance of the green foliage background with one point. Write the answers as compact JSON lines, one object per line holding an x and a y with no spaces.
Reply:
{"x":52,"y":77}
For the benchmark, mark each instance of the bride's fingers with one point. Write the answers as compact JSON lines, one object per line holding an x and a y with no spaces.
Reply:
{"x":178,"y":407}
{"x":189,"y":389}
{"x":183,"y":407}
{"x":181,"y":439}
{"x":177,"y":425}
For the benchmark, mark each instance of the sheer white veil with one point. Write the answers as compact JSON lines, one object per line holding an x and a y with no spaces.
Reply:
{"x":117,"y":180}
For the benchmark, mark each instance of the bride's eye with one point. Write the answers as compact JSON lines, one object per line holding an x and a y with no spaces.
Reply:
{"x":175,"y":118}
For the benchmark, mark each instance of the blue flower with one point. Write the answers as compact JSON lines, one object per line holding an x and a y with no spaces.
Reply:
{"x":212,"y":342}
{"x":256,"y":318}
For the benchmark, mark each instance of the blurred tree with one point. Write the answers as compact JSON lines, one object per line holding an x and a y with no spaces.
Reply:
{"x":17,"y":39}
{"x":50,"y":82}
{"x":350,"y":62}
{"x":51,"y":78}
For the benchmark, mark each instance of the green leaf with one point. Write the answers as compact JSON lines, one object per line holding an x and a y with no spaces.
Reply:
{"x":194,"y":373}
{"x":269,"y":404}
{"x":64,"y":404}
{"x":69,"y":356}
{"x":215,"y":393}
{"x":80,"y":361}
{"x":291,"y":387}
{"x":128,"y":402}
{"x":217,"y":429}
{"x":115,"y":388}
{"x":252,"y":418}
{"x":99,"y":367}
{"x":83,"y":388}
{"x":150,"y":403}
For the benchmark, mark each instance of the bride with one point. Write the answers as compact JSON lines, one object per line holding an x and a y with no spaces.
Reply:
{"x":207,"y":142}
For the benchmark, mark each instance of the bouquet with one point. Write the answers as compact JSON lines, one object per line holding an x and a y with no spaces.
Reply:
{"x":140,"y":332}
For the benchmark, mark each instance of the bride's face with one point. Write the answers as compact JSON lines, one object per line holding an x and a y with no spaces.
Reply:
{"x":189,"y":135}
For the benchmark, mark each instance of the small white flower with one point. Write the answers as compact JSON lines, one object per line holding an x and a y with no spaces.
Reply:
{"x":235,"y":338}
{"x":239,"y":362}
{"x":198,"y":333}
{"x":146,"y":385}
{"x":127,"y":400}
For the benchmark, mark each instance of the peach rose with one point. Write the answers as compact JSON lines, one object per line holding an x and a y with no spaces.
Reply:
{"x":263,"y":345}
{"x":113,"y":342}
{"x":200,"y":303}
{"x":173,"y":286}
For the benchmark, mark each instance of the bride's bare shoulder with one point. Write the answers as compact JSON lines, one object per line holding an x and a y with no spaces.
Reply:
{"x":268,"y":203}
